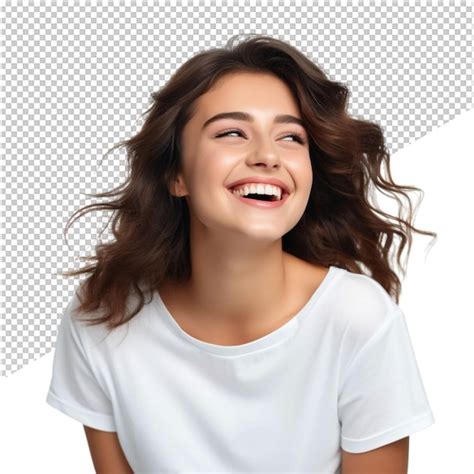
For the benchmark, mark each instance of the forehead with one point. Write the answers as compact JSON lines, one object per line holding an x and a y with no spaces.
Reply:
{"x":247,"y":91}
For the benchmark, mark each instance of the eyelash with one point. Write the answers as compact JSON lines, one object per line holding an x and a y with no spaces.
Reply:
{"x":299,"y":138}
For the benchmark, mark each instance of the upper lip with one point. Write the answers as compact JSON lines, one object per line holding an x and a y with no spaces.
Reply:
{"x":260,"y":179}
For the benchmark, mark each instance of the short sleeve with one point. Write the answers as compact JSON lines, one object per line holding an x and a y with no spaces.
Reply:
{"x":74,"y":388}
{"x":382,"y":397}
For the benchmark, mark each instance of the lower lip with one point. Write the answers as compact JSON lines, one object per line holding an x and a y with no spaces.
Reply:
{"x":261,"y":204}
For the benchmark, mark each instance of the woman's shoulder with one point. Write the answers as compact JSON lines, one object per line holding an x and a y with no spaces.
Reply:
{"x":361,"y":303}
{"x":99,"y":336}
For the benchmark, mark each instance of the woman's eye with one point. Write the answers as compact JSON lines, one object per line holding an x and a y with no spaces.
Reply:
{"x":298,"y":138}
{"x":228,"y":132}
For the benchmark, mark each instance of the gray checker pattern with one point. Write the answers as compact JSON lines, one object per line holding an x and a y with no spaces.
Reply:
{"x":77,"y":76}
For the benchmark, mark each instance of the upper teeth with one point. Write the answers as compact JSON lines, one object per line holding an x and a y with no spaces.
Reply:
{"x":257,"y":188}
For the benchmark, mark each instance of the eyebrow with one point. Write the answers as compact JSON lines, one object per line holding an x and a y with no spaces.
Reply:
{"x":283,"y":118}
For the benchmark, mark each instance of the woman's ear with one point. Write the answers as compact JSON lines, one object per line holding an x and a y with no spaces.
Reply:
{"x":177,"y":187}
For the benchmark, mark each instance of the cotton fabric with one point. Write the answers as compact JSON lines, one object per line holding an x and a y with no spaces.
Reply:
{"x":341,"y":374}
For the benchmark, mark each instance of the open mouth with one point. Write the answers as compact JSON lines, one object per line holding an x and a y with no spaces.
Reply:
{"x":261,"y":197}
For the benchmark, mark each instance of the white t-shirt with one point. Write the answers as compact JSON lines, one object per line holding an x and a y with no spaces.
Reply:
{"x":341,"y":373}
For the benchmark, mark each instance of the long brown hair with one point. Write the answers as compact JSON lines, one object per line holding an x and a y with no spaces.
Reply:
{"x":339,"y":227}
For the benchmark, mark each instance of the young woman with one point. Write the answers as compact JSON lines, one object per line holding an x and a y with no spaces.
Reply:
{"x":229,"y":326}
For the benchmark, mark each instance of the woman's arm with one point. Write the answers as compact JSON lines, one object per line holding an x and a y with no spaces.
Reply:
{"x":106,"y":452}
{"x":389,"y":459}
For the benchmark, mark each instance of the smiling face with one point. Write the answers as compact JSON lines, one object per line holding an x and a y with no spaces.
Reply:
{"x":216,"y":153}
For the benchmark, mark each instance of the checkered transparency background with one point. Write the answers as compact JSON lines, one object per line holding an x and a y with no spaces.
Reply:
{"x":77,"y":77}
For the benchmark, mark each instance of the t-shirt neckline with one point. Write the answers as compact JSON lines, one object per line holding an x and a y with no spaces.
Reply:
{"x":278,"y":335}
